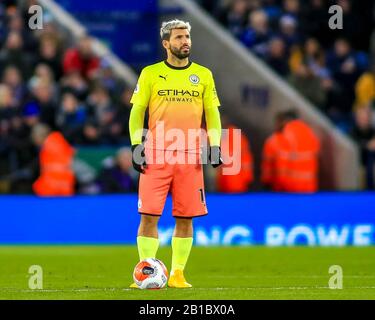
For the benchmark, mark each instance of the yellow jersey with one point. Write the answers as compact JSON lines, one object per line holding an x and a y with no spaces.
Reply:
{"x":176,"y":98}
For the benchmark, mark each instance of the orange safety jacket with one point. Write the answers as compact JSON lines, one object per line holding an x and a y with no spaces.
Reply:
{"x":290,"y":159}
{"x":275,"y":161}
{"x":239,"y":182}
{"x":303,"y":158}
{"x":56,"y":174}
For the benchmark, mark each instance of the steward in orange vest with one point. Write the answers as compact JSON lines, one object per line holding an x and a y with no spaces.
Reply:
{"x":290,"y":156}
{"x":55,"y":158}
{"x":275,"y":159}
{"x":241,"y":181}
{"x":303,"y":160}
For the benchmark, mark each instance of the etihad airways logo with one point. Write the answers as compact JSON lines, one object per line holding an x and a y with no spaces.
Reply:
{"x":175,"y":92}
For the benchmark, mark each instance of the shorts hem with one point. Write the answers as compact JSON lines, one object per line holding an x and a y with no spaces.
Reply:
{"x":150,"y":214}
{"x":189,"y":217}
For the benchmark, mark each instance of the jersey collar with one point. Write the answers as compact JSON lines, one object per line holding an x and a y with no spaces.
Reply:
{"x":177,"y":68}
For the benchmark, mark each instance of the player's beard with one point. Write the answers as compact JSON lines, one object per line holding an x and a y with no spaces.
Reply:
{"x":178,"y":53}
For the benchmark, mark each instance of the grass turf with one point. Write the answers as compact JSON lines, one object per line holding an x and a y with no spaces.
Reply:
{"x":104,"y":272}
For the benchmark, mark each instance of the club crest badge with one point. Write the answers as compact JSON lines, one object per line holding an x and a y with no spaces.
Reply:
{"x":194,"y":79}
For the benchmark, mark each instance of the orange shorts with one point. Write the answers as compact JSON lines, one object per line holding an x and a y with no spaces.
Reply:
{"x":183,"y":180}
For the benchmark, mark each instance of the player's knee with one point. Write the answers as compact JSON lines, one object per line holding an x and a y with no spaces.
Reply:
{"x":184,"y":222}
{"x":148,"y":226}
{"x":148,"y":221}
{"x":184,"y":227}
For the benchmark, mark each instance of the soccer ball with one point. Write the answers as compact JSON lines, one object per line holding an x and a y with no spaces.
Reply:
{"x":150,"y":273}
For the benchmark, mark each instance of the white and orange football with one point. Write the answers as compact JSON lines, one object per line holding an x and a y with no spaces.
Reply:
{"x":150,"y":273}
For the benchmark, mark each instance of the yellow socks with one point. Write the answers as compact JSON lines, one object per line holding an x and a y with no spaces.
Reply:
{"x":181,"y":248}
{"x":147,"y":247}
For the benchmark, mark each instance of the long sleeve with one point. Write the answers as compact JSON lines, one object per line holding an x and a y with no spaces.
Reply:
{"x":140,"y":101}
{"x":137,"y":116}
{"x":213,"y":125}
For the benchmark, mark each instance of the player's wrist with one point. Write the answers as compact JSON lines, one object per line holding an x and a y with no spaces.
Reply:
{"x":138,"y":157}
{"x":135,"y":145}
{"x":215,"y":156}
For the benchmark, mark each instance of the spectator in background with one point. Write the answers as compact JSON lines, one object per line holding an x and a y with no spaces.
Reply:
{"x":345,"y":70}
{"x":107,"y":79}
{"x":365,"y":88}
{"x":2,"y":24}
{"x":51,"y":30}
{"x":6,"y":115}
{"x":124,"y":108}
{"x":257,"y":35}
{"x":314,"y":22}
{"x":55,"y":159}
{"x":20,"y":135}
{"x":234,"y":17}
{"x":241,"y":181}
{"x":90,"y":134}
{"x":98,"y":101}
{"x":104,"y":114}
{"x":115,"y":176}
{"x":364,"y":134}
{"x":276,"y":56}
{"x":13,"y":79}
{"x":7,"y":108}
{"x":292,"y":8}
{"x":309,"y":85}
{"x":288,"y":31}
{"x":16,"y":24}
{"x":43,"y":93}
{"x":352,"y":25}
{"x":81,"y":59}
{"x":273,"y":11}
{"x":111,"y":129}
{"x":12,"y":54}
{"x":71,"y":117}
{"x":314,"y":58}
{"x":43,"y":73}
{"x":74,"y":82}
{"x":24,"y":169}
{"x":50,"y":55}
{"x":30,"y":115}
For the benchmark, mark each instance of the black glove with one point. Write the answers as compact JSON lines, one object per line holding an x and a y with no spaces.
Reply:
{"x":138,"y":157}
{"x":215,"y":156}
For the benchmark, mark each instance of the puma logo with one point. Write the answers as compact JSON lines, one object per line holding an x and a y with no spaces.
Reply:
{"x":165,"y":78}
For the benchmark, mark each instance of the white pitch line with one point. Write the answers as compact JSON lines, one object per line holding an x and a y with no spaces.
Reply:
{"x":279,"y":288}
{"x":64,"y":290}
{"x":192,"y":289}
{"x":284,"y":276}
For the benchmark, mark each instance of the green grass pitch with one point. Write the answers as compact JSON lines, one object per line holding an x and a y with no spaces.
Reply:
{"x":104,"y":272}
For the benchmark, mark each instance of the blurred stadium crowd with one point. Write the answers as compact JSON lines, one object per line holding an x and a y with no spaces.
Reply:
{"x":334,"y":69}
{"x":293,"y":37}
{"x":57,"y":93}
{"x":45,"y":78}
